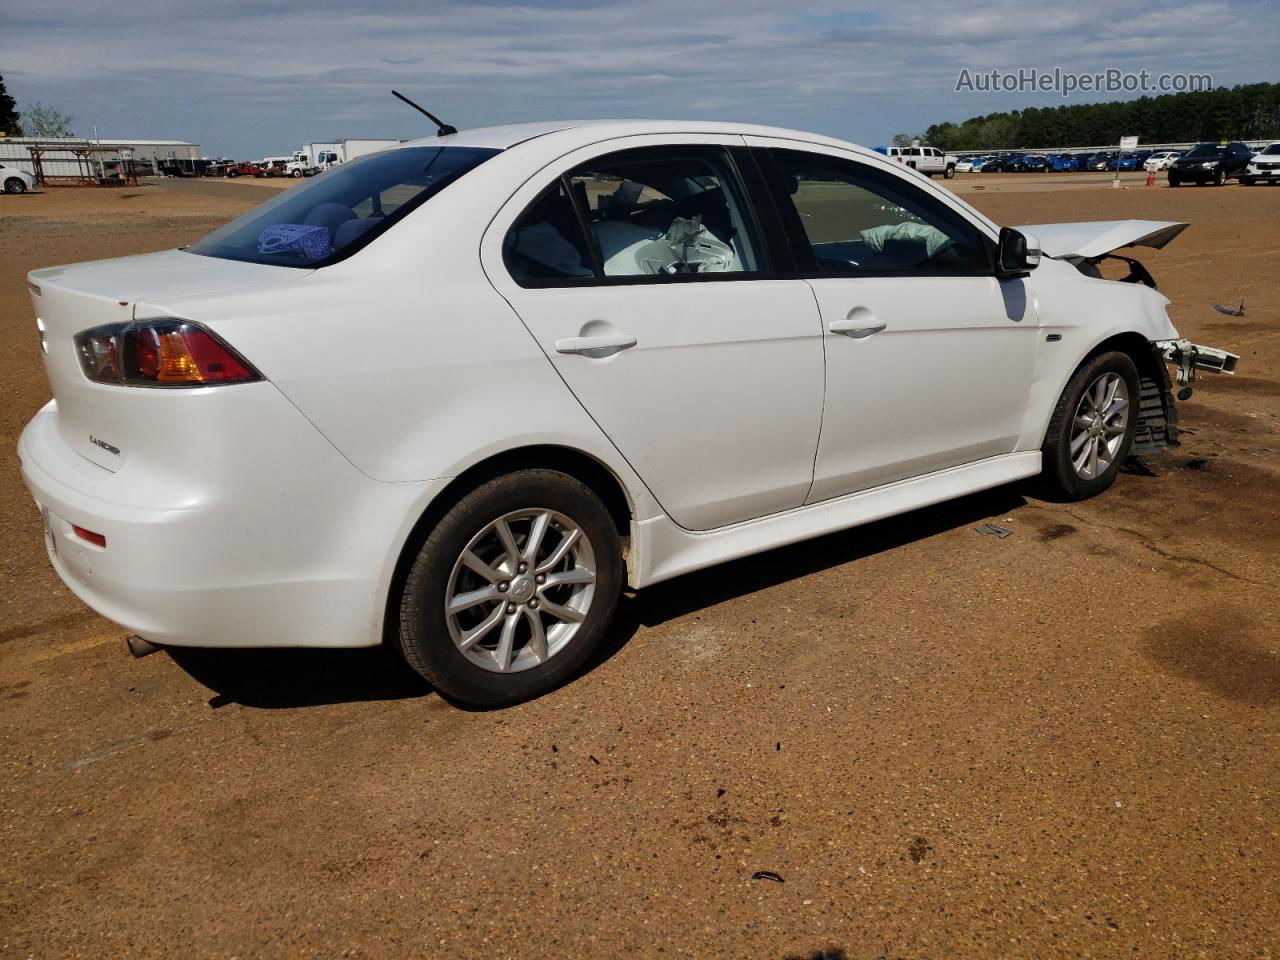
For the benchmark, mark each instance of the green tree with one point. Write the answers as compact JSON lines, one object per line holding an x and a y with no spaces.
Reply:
{"x":8,"y":113}
{"x":1247,"y":112}
{"x":46,"y":122}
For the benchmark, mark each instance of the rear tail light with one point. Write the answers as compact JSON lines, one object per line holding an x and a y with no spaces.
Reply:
{"x":160,"y":353}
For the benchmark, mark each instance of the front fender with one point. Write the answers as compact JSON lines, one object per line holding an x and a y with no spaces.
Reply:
{"x":1077,"y":313}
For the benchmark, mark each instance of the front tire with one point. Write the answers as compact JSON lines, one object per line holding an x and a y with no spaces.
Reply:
{"x":1092,"y":428}
{"x":15,"y":185}
{"x":949,"y":172}
{"x":513,"y":590}
{"x":1247,"y":181}
{"x":1174,"y":179}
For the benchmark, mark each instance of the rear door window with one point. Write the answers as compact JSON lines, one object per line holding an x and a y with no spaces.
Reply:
{"x":638,"y":216}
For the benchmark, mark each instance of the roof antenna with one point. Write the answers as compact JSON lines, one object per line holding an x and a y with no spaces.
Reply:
{"x":442,"y":129}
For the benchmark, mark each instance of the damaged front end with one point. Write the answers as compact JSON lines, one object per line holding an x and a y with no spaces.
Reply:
{"x":1086,"y":246}
{"x":1157,"y":415}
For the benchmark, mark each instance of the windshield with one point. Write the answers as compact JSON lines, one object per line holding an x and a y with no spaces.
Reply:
{"x":1272,"y":150}
{"x":1206,"y":150}
{"x":340,"y":211}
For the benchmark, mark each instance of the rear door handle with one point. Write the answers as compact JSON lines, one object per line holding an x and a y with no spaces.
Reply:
{"x":856,"y":327}
{"x":611,"y":343}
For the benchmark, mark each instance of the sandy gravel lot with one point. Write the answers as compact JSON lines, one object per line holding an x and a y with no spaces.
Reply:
{"x":1063,"y":743}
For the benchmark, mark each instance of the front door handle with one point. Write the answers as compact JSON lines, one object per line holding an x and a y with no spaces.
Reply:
{"x":602,"y":345}
{"x":856,"y":327}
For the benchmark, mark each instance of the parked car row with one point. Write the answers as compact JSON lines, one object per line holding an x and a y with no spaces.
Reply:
{"x":1055,"y":162}
{"x":246,"y":168}
{"x":1209,"y":162}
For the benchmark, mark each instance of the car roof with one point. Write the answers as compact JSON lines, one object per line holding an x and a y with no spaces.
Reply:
{"x":582,"y":132}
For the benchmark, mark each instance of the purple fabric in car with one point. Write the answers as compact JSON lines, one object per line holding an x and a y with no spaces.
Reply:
{"x":311,"y":241}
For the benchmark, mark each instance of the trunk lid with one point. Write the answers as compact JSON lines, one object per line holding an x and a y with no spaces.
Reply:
{"x":96,"y":420}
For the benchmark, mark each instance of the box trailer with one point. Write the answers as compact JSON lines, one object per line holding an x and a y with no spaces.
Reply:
{"x":350,"y":149}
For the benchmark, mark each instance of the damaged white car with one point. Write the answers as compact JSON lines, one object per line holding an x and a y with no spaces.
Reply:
{"x":454,"y":396}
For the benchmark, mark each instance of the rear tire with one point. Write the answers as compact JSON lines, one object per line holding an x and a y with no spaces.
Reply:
{"x":1091,"y":431}
{"x":1219,"y":177}
{"x":15,"y":185}
{"x":541,"y":617}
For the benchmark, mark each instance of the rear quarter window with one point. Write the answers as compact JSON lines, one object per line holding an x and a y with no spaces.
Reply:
{"x":330,"y":217}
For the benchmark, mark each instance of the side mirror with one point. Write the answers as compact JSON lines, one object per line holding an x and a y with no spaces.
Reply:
{"x":1017,"y":254}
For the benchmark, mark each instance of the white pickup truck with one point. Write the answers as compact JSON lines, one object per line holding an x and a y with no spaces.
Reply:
{"x":927,"y":160}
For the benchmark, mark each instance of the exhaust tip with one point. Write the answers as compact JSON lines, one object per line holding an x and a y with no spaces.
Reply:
{"x":141,"y":648}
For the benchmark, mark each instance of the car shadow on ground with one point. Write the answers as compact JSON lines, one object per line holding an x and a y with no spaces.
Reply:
{"x":291,"y":678}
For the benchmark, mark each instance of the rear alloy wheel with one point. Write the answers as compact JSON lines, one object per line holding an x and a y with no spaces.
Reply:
{"x":15,"y":185}
{"x":1092,"y":428}
{"x":1219,"y":177}
{"x":513,"y":589}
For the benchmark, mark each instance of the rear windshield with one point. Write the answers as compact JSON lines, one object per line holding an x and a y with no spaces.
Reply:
{"x":324,"y":219}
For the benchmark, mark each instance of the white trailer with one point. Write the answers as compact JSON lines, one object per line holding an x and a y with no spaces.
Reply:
{"x":358,"y":148}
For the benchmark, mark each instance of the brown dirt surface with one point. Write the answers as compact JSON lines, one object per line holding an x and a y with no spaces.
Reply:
{"x":1061,"y":743}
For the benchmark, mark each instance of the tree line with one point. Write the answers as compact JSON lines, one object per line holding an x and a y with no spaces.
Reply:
{"x":1245,"y":112}
{"x":36,"y":120}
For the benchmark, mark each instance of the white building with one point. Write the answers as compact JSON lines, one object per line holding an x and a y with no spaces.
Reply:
{"x":14,"y":152}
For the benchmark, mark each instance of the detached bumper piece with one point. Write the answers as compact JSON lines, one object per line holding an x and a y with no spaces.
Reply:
{"x":1188,"y":358}
{"x":1157,"y":416}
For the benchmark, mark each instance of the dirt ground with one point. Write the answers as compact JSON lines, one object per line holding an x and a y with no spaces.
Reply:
{"x":1062,"y":743}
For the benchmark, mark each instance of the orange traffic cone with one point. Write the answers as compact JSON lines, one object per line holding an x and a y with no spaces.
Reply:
{"x":1151,"y":178}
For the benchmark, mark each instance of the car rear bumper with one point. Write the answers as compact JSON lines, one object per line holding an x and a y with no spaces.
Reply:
{"x":292,"y":547}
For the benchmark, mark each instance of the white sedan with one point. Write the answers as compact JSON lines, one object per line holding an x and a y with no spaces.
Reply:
{"x":13,"y":180}
{"x":455,"y":395}
{"x":1161,"y":161}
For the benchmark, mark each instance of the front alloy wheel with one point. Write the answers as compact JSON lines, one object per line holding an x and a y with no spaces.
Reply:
{"x":1100,"y":424}
{"x":15,"y":185}
{"x":1092,"y":428}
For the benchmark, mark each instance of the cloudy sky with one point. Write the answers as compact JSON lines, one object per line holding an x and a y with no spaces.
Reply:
{"x":245,"y":79}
